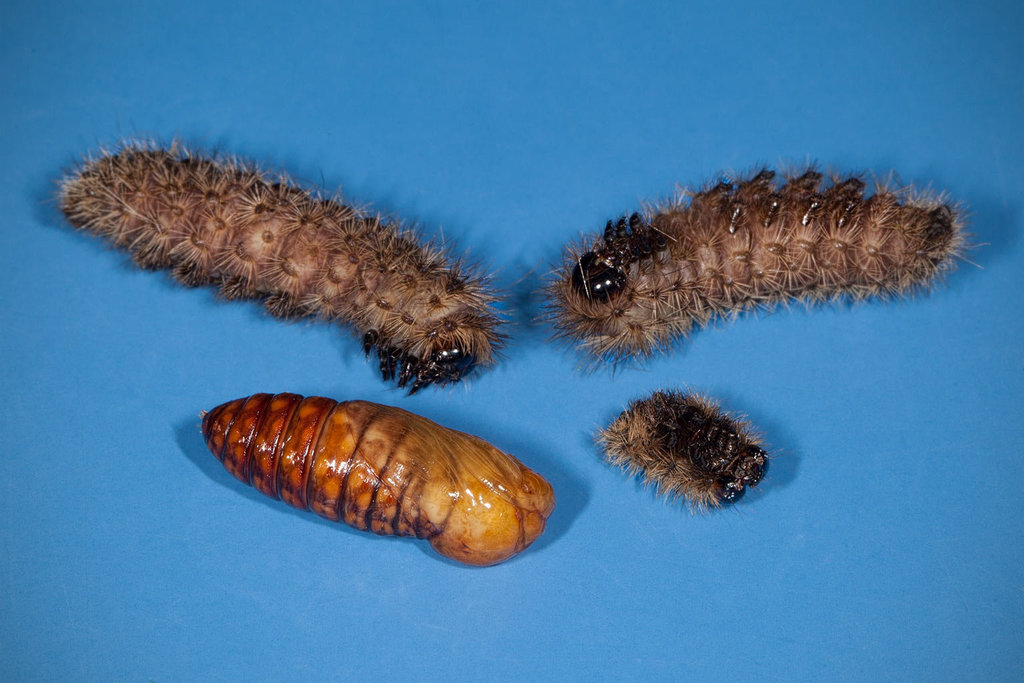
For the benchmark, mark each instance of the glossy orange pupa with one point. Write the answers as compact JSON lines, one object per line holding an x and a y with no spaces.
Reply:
{"x":384,"y":470}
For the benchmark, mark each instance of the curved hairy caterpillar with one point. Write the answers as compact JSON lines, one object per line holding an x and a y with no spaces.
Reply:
{"x":384,"y":470}
{"x":221,"y":222}
{"x":653,"y":277}
{"x":684,"y":445}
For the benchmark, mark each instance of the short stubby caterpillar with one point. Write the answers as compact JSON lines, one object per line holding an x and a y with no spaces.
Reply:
{"x":651,"y":278}
{"x":222,"y":222}
{"x":684,"y":445}
{"x":384,"y":470}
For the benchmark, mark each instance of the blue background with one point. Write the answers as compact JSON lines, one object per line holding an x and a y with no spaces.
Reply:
{"x":886,"y":542}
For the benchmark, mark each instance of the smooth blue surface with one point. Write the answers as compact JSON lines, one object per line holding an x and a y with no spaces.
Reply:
{"x":886,"y":542}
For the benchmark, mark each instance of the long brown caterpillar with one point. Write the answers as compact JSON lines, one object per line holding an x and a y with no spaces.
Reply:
{"x":384,"y":470}
{"x":651,"y":278}
{"x":684,"y":445}
{"x":222,"y":222}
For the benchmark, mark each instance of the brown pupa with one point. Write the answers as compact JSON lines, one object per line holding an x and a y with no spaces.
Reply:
{"x":384,"y":470}
{"x":650,"y":279}
{"x":222,"y":222}
{"x":685,"y":445}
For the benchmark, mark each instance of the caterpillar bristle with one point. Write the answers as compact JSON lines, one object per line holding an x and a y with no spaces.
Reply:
{"x":221,"y":221}
{"x":685,"y":446}
{"x":744,"y":243}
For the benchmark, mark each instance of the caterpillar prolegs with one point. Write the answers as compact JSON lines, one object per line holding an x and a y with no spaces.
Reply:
{"x":221,"y":222}
{"x":384,"y":470}
{"x":651,"y":278}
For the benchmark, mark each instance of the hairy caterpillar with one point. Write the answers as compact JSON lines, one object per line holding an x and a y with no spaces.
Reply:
{"x":653,"y":277}
{"x":686,"y":446}
{"x":384,"y":470}
{"x":221,"y":222}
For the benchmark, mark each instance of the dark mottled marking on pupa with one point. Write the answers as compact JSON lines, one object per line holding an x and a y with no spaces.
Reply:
{"x":684,"y":445}
{"x":221,"y":222}
{"x":743,"y":244}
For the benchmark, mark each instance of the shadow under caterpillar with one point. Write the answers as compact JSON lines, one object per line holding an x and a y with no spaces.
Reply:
{"x":222,"y":222}
{"x":384,"y":470}
{"x":651,"y":278}
{"x":684,"y":445}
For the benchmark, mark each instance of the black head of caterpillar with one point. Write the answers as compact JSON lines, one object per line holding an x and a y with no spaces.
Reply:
{"x":222,"y":222}
{"x":602,"y":272}
{"x":747,"y":243}
{"x":444,"y":366}
{"x":684,"y":445}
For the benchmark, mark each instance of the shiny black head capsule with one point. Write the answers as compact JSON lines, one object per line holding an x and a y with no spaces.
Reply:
{"x":754,"y":467}
{"x":749,"y":471}
{"x":595,"y":279}
{"x":729,"y":490}
{"x":454,"y":359}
